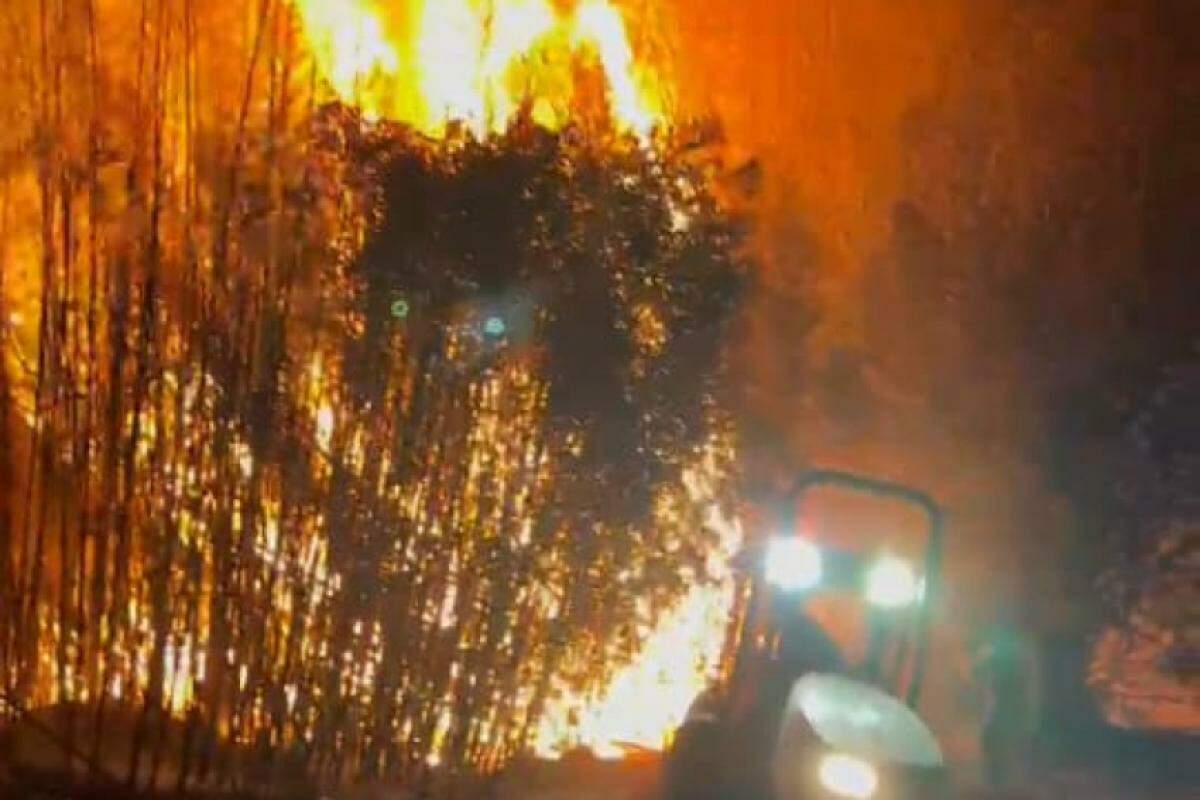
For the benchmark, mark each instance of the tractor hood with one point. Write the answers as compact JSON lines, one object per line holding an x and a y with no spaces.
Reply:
{"x":857,"y":718}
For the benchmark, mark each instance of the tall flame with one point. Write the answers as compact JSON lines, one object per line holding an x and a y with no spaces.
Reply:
{"x":477,"y":62}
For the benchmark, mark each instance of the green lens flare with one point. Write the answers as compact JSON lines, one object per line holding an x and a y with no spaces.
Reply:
{"x":495,"y":327}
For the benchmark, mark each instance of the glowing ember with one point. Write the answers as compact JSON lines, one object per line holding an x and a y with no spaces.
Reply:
{"x":430,"y":62}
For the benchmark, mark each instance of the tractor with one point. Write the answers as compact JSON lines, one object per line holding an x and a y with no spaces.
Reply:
{"x":797,"y":717}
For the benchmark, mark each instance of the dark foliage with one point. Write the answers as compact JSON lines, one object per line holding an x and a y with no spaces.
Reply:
{"x":612,"y":268}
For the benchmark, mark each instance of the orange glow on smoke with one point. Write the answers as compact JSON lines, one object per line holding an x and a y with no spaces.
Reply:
{"x":431,"y":62}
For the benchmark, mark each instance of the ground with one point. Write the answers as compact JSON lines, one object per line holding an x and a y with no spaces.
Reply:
{"x":581,"y":777}
{"x":636,"y":780}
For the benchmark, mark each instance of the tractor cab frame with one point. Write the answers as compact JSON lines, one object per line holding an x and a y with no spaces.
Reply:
{"x":785,"y":571}
{"x":727,"y":743}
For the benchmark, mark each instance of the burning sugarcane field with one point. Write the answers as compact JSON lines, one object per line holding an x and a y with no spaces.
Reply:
{"x":681,"y":399}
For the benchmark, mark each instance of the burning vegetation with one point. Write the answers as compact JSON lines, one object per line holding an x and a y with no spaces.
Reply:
{"x":360,"y":399}
{"x":466,"y":62}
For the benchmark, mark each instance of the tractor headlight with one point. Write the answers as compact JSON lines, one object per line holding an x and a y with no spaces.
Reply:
{"x":846,"y":776}
{"x":792,"y":564}
{"x":892,"y":583}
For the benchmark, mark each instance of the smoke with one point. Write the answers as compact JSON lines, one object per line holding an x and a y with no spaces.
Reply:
{"x":959,"y":229}
{"x":940,"y":180}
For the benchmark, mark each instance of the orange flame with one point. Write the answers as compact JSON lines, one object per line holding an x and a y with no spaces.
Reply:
{"x":646,"y":701}
{"x":431,"y":62}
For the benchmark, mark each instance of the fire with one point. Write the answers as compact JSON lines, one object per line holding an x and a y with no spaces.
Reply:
{"x":645,"y":702}
{"x":201,"y":577}
{"x":477,"y":62}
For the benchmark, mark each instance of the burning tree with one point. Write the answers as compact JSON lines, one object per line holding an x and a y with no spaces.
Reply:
{"x":328,"y":444}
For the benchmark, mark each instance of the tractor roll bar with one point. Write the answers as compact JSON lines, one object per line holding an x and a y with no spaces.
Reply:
{"x":933,"y":552}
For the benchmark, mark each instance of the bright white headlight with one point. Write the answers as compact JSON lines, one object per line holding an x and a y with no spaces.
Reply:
{"x":793,"y":564}
{"x":892,"y":583}
{"x":847,"y":776}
